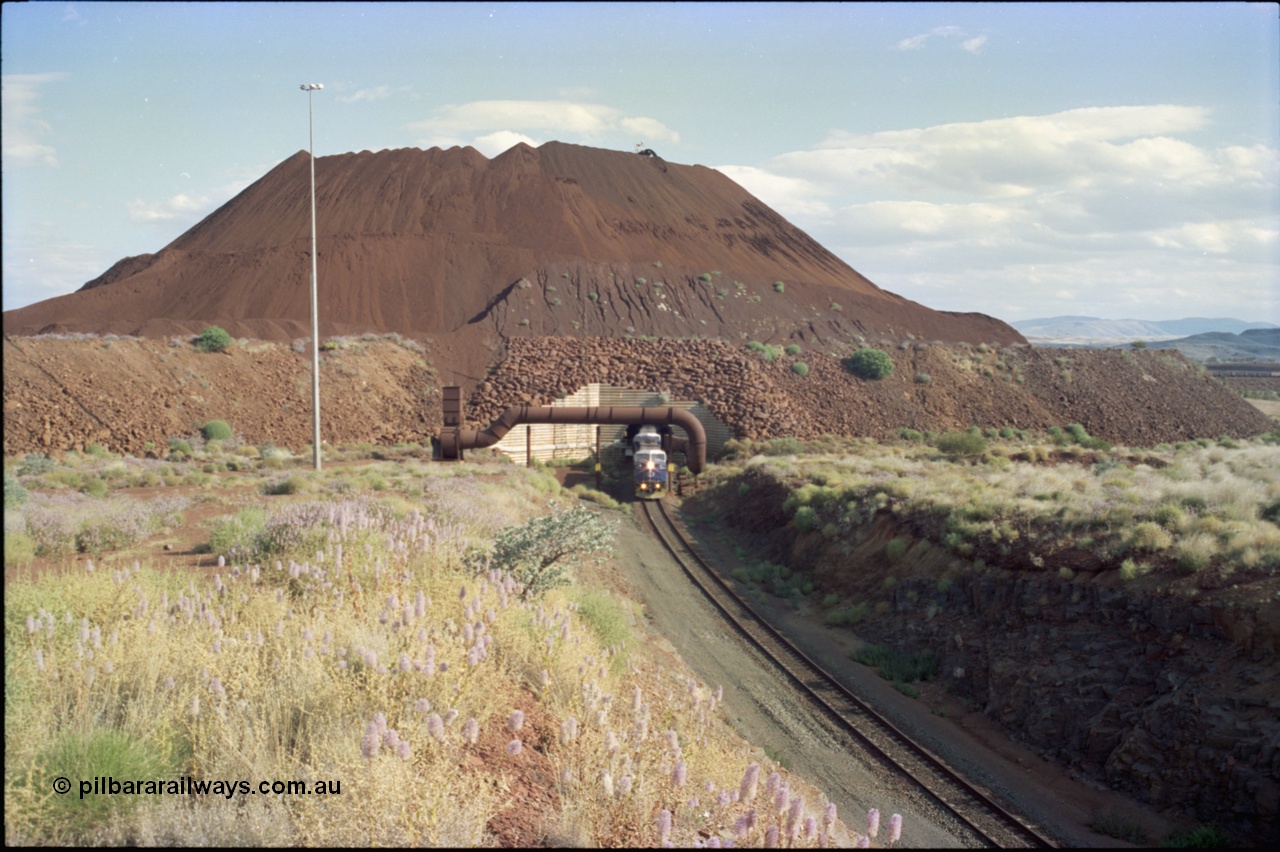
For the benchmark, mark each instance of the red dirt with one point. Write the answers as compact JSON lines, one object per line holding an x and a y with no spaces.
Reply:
{"x":431,"y":242}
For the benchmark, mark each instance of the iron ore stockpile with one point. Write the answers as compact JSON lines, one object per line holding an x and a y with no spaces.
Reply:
{"x":1139,"y":398}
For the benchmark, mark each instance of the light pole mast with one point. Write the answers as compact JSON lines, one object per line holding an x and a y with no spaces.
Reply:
{"x":315,"y":320}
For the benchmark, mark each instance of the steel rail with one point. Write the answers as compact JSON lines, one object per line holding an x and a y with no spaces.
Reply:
{"x":857,"y":715}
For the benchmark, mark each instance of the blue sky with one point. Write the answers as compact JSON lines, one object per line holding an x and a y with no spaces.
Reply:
{"x":1022,"y":160}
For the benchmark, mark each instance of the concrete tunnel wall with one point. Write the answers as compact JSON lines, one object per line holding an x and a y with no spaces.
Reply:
{"x":454,"y":440}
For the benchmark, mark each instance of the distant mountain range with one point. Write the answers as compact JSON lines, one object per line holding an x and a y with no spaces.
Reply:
{"x":1200,"y":338}
{"x":1074,"y":328}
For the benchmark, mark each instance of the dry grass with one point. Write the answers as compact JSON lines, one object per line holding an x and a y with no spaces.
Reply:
{"x":314,"y":665}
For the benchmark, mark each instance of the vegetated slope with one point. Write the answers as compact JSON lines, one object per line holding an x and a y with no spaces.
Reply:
{"x":553,"y":240}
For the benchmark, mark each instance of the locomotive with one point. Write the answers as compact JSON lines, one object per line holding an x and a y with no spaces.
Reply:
{"x":649,"y":462}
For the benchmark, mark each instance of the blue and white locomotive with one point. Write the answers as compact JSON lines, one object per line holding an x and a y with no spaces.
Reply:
{"x":649,"y":461}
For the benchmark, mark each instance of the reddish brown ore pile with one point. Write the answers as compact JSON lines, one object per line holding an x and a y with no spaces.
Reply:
{"x":558,"y":240}
{"x":134,"y":395}
{"x":1137,"y":398}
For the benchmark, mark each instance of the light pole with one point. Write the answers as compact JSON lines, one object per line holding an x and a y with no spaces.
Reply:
{"x":315,"y":320}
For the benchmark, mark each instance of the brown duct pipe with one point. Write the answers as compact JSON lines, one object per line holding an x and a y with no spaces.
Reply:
{"x":454,"y":439}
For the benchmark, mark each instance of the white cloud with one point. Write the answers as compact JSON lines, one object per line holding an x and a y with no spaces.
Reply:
{"x":974,"y":45}
{"x":1098,"y":201}
{"x":493,"y":144}
{"x":789,"y":196}
{"x":21,"y":127}
{"x":179,"y":206}
{"x":555,"y":119}
{"x":916,"y":42}
{"x":376,"y":93}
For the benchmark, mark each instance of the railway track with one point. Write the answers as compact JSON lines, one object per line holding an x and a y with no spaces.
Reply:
{"x":989,"y":823}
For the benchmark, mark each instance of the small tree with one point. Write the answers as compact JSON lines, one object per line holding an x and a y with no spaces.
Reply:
{"x":213,"y":339}
{"x":869,"y":364}
{"x":541,"y":552}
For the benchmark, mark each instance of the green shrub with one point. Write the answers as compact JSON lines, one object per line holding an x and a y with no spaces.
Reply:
{"x":608,"y":619}
{"x":806,"y":518}
{"x":898,"y":666}
{"x":869,"y":364}
{"x":213,"y":339}
{"x":95,"y":488}
{"x":967,"y":443}
{"x":96,"y":450}
{"x":800,"y":368}
{"x":895,"y":549}
{"x":217,"y":430}
{"x":14,"y":493}
{"x":779,"y":287}
{"x":830,"y":600}
{"x":35,"y":464}
{"x":923,"y":378}
{"x":1114,"y":825}
{"x":1200,"y":837}
{"x":792,"y":349}
{"x":19,"y":549}
{"x":705,"y":277}
{"x":288,"y":485}
{"x":910,"y":434}
{"x":178,"y":445}
{"x":238,"y":535}
{"x":100,"y":752}
{"x":847,"y":616}
{"x":541,"y":552}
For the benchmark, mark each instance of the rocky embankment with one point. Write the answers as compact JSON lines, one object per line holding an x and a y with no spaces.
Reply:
{"x":133,"y":395}
{"x":1139,"y":398}
{"x":1152,"y":687}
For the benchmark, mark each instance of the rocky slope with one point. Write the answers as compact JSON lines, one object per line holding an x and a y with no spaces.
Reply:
{"x":133,"y":395}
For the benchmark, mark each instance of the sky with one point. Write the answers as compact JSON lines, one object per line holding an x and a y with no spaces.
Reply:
{"x":1021,"y":160}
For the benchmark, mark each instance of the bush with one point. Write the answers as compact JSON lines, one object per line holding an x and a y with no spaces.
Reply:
{"x":923,"y":378}
{"x":908,"y":434}
{"x":540,"y":552}
{"x":806,"y":518}
{"x":779,"y":287}
{"x":35,"y":464}
{"x":967,"y":443}
{"x":800,"y":368}
{"x":869,"y":364}
{"x":213,"y":339}
{"x":217,"y":430}
{"x":846,"y":616}
{"x":792,"y":349}
{"x":14,"y":493}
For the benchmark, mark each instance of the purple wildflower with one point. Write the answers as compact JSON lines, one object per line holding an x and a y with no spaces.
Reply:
{"x":750,"y":779}
{"x":471,"y":731}
{"x":679,"y":773}
{"x":873,"y":823}
{"x":515,"y":747}
{"x":895,"y":828}
{"x":515,"y":721}
{"x":664,"y":825}
{"x":624,"y":785}
{"x":372,"y":741}
{"x":403,"y":750}
{"x":435,"y":727}
{"x":771,"y":837}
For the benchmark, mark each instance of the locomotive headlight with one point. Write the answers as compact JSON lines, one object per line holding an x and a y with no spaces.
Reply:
{"x":649,"y":465}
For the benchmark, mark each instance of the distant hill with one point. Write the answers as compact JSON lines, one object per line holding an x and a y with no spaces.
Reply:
{"x":1256,"y":344}
{"x":1082,"y":331}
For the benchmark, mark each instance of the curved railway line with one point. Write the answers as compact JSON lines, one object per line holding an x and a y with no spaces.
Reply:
{"x":989,"y":823}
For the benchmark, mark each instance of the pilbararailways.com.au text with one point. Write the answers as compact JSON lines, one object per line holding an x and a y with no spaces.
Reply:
{"x":188,"y":786}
